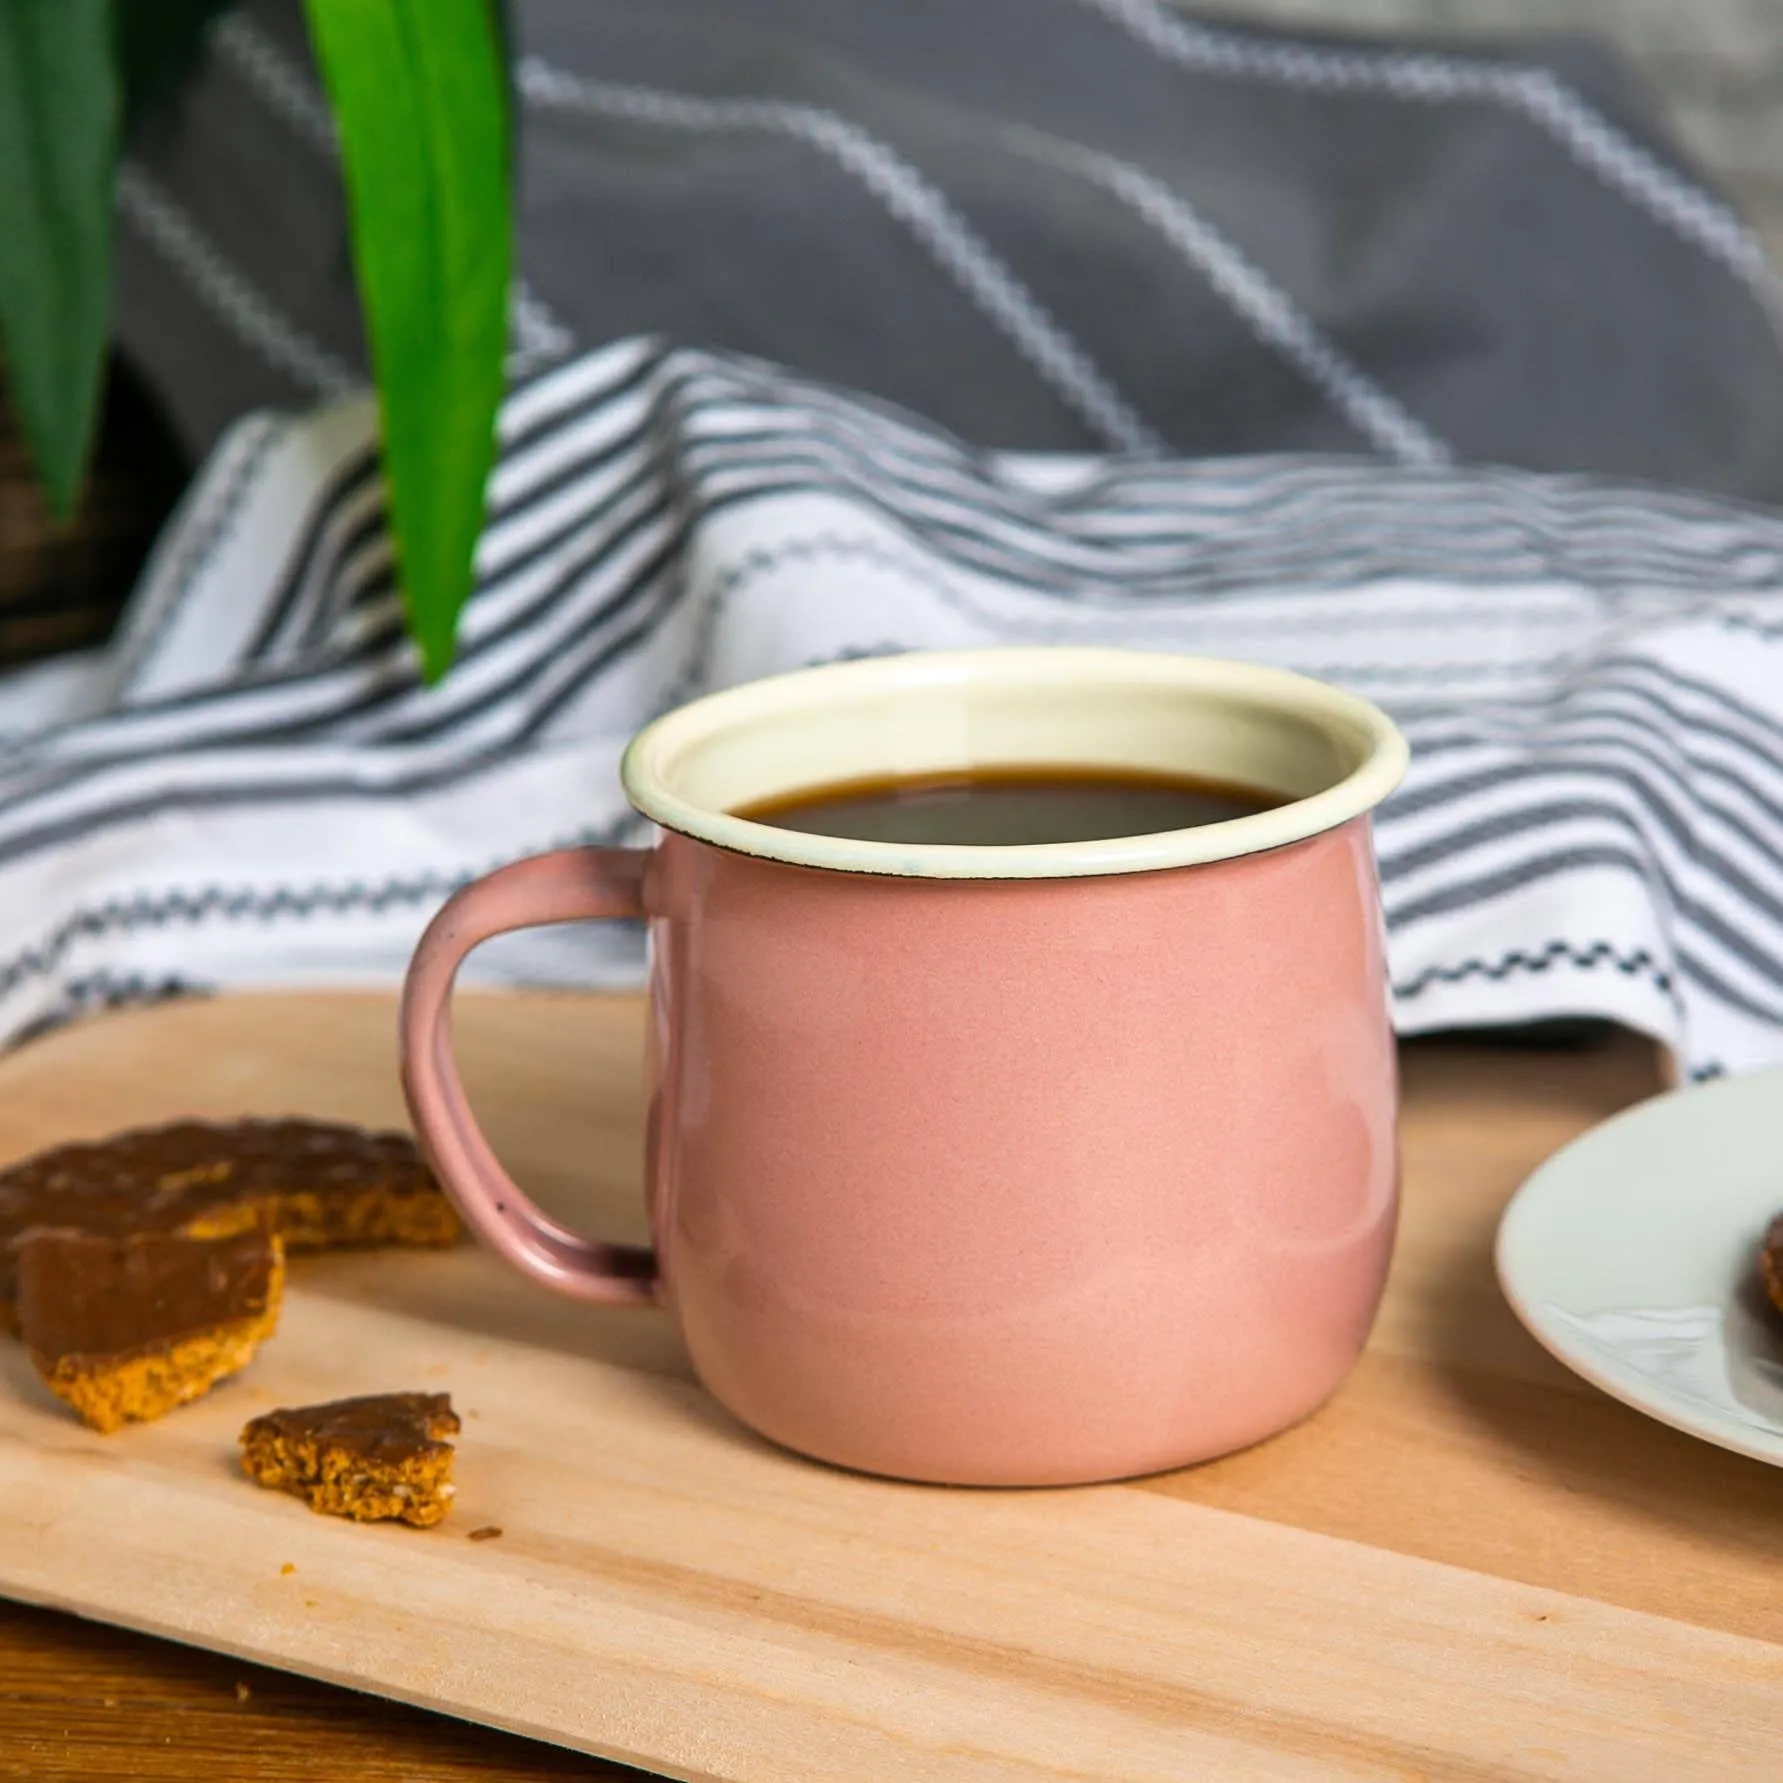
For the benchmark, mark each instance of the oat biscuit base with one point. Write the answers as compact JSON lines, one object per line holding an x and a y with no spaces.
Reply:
{"x":377,"y":1458}
{"x":125,"y":1329}
{"x":322,"y":1185}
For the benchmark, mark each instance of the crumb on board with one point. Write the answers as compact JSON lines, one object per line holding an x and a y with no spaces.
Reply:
{"x":487,"y":1533}
{"x":242,"y":1692}
{"x":384,"y":1456}
{"x":287,"y":1569}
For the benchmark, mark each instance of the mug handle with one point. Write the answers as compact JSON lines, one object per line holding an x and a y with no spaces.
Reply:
{"x":571,"y":885}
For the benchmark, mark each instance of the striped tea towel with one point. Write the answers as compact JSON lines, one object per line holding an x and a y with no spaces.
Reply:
{"x":250,"y":786}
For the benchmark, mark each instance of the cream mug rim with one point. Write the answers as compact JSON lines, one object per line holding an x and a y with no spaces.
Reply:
{"x":684,"y":768}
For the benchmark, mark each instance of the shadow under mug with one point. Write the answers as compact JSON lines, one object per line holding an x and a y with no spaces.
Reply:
{"x":989,"y":1165}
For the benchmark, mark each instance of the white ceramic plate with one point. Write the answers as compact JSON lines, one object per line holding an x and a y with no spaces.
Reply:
{"x":1632,"y":1256}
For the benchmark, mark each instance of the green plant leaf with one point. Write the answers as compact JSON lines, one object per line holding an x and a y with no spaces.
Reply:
{"x":421,"y":103}
{"x":58,"y":153}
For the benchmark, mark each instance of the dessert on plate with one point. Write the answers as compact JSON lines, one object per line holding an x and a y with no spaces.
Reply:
{"x":1770,"y":1262}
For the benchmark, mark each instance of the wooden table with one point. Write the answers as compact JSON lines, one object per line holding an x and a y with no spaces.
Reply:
{"x":1457,"y":1441}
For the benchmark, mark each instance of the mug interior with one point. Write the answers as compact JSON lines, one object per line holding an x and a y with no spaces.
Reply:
{"x":1331,"y":755}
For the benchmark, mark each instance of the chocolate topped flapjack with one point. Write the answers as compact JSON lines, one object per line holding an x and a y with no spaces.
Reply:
{"x":123,"y":1329}
{"x":381,"y":1457}
{"x":320,"y":1185}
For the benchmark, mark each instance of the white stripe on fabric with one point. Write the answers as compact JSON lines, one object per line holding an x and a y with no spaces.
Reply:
{"x":1429,"y":78}
{"x":591,"y":377}
{"x":183,"y":553}
{"x":244,"y":310}
{"x":540,"y":335}
{"x":1268,"y":310}
{"x":282,"y":85}
{"x":926,"y":212}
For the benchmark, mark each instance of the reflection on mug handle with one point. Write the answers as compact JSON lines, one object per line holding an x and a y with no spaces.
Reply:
{"x":572,"y":885}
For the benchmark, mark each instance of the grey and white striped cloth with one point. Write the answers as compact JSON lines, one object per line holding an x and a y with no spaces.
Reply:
{"x":249,"y":786}
{"x":1072,"y":227}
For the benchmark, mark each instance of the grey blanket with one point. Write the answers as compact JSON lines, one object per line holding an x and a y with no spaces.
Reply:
{"x":1055,"y":224}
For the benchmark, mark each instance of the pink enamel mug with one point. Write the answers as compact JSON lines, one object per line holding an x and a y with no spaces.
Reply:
{"x":993,"y":1165}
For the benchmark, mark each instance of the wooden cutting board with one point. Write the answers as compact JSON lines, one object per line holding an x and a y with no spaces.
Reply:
{"x":1468,"y":1566}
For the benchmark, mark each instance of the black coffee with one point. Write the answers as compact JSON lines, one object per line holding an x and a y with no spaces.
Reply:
{"x":1009,"y":807}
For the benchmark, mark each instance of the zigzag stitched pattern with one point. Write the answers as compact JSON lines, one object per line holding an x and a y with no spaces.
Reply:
{"x":1637,"y":964}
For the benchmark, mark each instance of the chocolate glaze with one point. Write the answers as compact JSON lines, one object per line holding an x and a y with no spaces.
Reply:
{"x":382,"y":1429}
{"x":103,"y":1298}
{"x":164,"y":1179}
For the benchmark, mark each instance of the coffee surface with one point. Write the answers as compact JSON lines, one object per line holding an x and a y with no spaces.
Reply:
{"x":1011,"y":807}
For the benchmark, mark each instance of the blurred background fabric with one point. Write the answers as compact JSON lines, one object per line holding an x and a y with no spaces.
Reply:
{"x":1715,"y":67}
{"x":1044,"y":224}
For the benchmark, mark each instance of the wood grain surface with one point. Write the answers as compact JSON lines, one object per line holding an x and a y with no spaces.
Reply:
{"x":1468,"y":1565}
{"x":81,"y":1702}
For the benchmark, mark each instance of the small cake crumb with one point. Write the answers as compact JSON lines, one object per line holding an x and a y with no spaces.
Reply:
{"x":382,"y":1457}
{"x":487,"y":1533}
{"x":287,"y":1569}
{"x":242,"y":1692}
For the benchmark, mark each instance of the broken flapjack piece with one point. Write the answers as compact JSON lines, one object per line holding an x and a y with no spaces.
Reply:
{"x":125,"y":1329}
{"x":321,"y":1185}
{"x":381,"y":1457}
